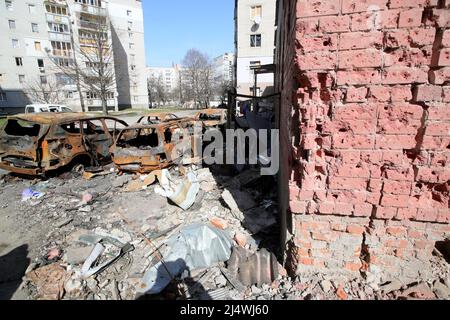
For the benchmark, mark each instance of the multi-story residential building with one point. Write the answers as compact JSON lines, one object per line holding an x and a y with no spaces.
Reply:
{"x":223,"y":67}
{"x":39,"y":45}
{"x":254,"y":44}
{"x":169,"y":76}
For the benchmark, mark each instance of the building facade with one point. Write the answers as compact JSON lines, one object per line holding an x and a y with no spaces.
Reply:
{"x":223,"y":68}
{"x":41,"y":44}
{"x":254,"y":44}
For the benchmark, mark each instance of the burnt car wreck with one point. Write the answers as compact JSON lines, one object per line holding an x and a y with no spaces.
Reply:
{"x":157,"y":117}
{"x":36,"y":144}
{"x":145,"y":148}
{"x":212,"y":118}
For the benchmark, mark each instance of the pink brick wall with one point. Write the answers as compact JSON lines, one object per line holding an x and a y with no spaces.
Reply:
{"x":369,"y":133}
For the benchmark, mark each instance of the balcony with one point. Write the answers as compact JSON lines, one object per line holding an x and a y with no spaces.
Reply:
{"x":57,"y":18}
{"x":97,"y":11}
{"x":91,"y":25}
{"x":56,"y":36}
{"x":62,"y":53}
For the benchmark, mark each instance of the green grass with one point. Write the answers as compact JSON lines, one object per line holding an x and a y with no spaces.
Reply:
{"x":2,"y":121}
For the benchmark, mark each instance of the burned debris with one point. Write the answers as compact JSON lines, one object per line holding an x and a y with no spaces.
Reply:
{"x":36,"y":144}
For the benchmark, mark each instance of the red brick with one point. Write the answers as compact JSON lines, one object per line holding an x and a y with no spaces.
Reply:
{"x":406,"y":213}
{"x":395,"y":142}
{"x":320,"y":236}
{"x":351,"y":6}
{"x":355,"y":229}
{"x":412,"y":3}
{"x":445,"y":42}
{"x":387,"y":19}
{"x":327,"y":42}
{"x":411,"y":57}
{"x":397,"y":38}
{"x":364,"y":21}
{"x":359,"y":77}
{"x":297,"y":206}
{"x":401,"y":93}
{"x":353,"y":266}
{"x":410,"y":18}
{"x":360,"y":58}
{"x":421,"y":36}
{"x":333,"y":24}
{"x":338,"y":227}
{"x":400,"y":111}
{"x":398,"y":126}
{"x":399,"y":173}
{"x":396,"y":231}
{"x":403,"y":75}
{"x":427,"y":93}
{"x":361,"y":40}
{"x":363,"y":210}
{"x":326,"y":208}
{"x":397,"y":187}
{"x":415,"y":234}
{"x":438,"y":111}
{"x":400,"y":243}
{"x":305,"y":261}
{"x":385,"y":212}
{"x":352,"y":170}
{"x":399,"y":201}
{"x":307,"y":8}
{"x":380,"y":93}
{"x":354,"y":126}
{"x":441,"y":18}
{"x":352,"y":111}
{"x":320,"y":60}
{"x":429,"y":214}
{"x":343,"y":209}
{"x":440,"y":76}
{"x":356,"y":94}
{"x":438,"y":129}
{"x":446,"y":94}
{"x":339,"y":183}
{"x":307,"y":26}
{"x":442,"y":58}
{"x":352,"y":141}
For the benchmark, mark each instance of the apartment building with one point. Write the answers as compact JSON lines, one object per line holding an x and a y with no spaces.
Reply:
{"x":169,"y":76}
{"x":223,"y":67}
{"x":254,"y":44}
{"x":40,"y":44}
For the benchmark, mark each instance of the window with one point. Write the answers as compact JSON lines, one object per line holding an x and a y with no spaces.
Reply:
{"x":129,"y":13}
{"x":255,"y":40}
{"x":58,"y":27}
{"x":63,"y":79}
{"x":19,"y":61}
{"x":34,"y":27}
{"x":2,"y":96}
{"x":133,"y":67}
{"x":136,"y":99}
{"x":130,"y":25}
{"x":31,"y":8}
{"x":131,"y":45}
{"x":12,"y":24}
{"x":9,"y":5}
{"x":37,"y":46}
{"x":130,"y":35}
{"x":258,"y":91}
{"x":22,"y":78}
{"x":15,"y":43}
{"x":56,"y":9}
{"x":43,"y":80}
{"x":61,"y":48}
{"x":69,"y":94}
{"x":256,"y":11}
{"x":40,"y":63}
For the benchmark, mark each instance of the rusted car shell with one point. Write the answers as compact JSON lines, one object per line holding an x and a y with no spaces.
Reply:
{"x":212,"y":118}
{"x":46,"y":146}
{"x":158,"y":156}
{"x":157,"y":117}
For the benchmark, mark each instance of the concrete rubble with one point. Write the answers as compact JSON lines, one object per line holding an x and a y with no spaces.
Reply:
{"x":75,"y":215}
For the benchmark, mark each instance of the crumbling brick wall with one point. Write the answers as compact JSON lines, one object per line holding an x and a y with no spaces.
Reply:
{"x":367,"y":140}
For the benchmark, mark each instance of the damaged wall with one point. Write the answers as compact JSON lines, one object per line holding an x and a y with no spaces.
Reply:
{"x":365,"y":96}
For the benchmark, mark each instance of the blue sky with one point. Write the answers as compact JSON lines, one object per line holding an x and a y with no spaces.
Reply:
{"x":174,"y":26}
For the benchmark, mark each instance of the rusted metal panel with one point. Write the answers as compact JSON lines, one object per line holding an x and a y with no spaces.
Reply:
{"x":145,"y":148}
{"x":33,"y":144}
{"x":158,"y":117}
{"x":212,"y":118}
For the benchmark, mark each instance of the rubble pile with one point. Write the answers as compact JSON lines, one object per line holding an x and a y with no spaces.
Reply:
{"x":183,"y":233}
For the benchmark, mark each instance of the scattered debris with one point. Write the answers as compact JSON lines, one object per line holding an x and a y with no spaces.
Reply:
{"x":49,"y":281}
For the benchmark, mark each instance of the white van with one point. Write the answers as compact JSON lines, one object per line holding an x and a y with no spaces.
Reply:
{"x":37,"y":108}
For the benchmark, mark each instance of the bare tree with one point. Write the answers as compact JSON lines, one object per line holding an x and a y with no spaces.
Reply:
{"x":198,"y":80}
{"x":156,"y":90}
{"x":46,"y":91}
{"x":92,"y":66}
